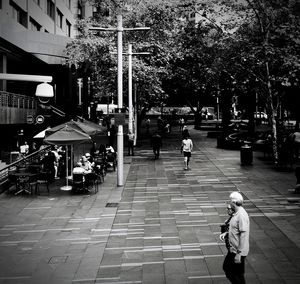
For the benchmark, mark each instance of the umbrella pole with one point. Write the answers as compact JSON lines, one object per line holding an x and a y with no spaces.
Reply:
{"x":67,"y":187}
{"x":67,"y":165}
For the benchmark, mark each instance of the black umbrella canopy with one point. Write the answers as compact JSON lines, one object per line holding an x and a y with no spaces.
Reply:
{"x":84,"y":126}
{"x":67,"y":136}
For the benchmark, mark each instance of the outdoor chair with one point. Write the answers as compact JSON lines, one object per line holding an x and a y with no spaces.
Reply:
{"x":91,"y":180}
{"x":42,"y":179}
{"x":78,"y":182}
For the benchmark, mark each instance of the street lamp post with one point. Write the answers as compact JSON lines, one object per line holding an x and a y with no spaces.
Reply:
{"x":130,"y":105}
{"x":120,"y":143}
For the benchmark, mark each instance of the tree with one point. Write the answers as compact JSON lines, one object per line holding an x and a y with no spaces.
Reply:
{"x":265,"y":38}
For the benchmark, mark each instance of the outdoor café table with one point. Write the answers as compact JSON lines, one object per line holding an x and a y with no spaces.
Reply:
{"x":35,"y":168}
{"x":22,"y":181}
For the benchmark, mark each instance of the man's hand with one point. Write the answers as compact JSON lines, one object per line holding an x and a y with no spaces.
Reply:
{"x":222,"y":236}
{"x":237,"y":258}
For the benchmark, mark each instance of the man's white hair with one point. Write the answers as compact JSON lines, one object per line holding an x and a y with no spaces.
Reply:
{"x":236,"y":197}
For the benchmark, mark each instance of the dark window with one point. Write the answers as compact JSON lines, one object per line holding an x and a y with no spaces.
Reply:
{"x":46,"y":31}
{"x":34,"y":26}
{"x":0,"y":4}
{"x":37,"y":2}
{"x":79,"y":11}
{"x":18,"y":14}
{"x":68,"y":28}
{"x":59,"y":18}
{"x":50,"y":9}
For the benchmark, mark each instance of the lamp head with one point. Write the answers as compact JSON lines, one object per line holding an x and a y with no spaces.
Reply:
{"x":44,"y":92}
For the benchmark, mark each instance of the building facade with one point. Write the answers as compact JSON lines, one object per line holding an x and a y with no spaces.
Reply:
{"x":33,"y":36}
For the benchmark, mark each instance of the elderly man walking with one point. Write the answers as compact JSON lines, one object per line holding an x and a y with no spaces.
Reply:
{"x":238,"y":237}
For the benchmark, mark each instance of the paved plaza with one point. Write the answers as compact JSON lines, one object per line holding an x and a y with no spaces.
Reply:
{"x":162,"y":227}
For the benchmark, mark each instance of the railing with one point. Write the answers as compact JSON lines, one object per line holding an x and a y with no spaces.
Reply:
{"x":21,"y":163}
{"x":17,"y":101}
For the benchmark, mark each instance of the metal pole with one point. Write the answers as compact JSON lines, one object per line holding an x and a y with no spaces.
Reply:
{"x":130,"y":126}
{"x":218,"y":110}
{"x":120,"y":146}
{"x":79,"y":90}
{"x":135,"y":115}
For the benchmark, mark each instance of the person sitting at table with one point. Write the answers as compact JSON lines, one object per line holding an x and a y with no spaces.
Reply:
{"x":89,"y":158}
{"x":109,"y":149}
{"x":78,"y":177}
{"x":86,"y":165}
{"x":78,"y":169}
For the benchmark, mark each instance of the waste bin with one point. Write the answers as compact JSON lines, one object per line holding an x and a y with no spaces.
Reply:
{"x":246,"y":155}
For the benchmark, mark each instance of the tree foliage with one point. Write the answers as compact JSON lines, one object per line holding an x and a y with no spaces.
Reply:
{"x":198,"y":50}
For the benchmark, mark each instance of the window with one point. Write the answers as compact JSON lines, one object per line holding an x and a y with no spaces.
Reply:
{"x":37,"y":2}
{"x":69,"y":4}
{"x":68,"y":28}
{"x":59,"y":18}
{"x":18,"y":14}
{"x":79,"y":11}
{"x":0,"y":4}
{"x":34,"y":26}
{"x":50,"y":9}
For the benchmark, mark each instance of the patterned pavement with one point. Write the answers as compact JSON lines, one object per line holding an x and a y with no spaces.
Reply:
{"x":162,"y":227}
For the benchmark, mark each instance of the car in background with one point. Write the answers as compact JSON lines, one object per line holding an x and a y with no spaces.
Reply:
{"x":260,"y":115}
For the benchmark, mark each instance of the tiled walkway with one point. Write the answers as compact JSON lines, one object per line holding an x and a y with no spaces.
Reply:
{"x":164,"y":229}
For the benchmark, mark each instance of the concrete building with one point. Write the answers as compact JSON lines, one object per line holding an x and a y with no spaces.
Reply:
{"x":33,"y":36}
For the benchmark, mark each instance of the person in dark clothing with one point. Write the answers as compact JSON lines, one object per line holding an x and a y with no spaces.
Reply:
{"x":156,"y":143}
{"x":185,"y":132}
{"x":49,"y":165}
{"x":112,"y":135}
{"x":130,"y":143}
{"x":94,"y":151}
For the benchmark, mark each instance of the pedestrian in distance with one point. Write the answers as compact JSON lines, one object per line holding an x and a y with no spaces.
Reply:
{"x":130,"y":143}
{"x":147,"y":125}
{"x":185,"y":132}
{"x":24,"y":149}
{"x":238,"y":239}
{"x":181,"y":123}
{"x":156,"y":143}
{"x":186,"y":149}
{"x":160,"y":124}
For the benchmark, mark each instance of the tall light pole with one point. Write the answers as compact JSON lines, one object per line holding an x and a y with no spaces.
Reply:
{"x":130,"y":105}
{"x":120,"y":143}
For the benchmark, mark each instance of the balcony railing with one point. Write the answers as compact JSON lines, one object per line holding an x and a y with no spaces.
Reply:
{"x":20,"y":163}
{"x":17,"y":101}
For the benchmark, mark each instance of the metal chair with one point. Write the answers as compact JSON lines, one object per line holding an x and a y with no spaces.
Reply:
{"x":91,"y":180}
{"x":78,"y":182}
{"x":42,"y":179}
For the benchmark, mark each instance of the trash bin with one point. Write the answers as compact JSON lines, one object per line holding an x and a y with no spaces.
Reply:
{"x":246,"y":155}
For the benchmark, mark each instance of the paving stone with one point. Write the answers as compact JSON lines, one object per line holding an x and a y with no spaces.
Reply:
{"x":165,"y":229}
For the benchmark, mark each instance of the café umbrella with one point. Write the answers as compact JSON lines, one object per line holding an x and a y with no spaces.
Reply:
{"x":67,"y":136}
{"x":84,"y":126}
